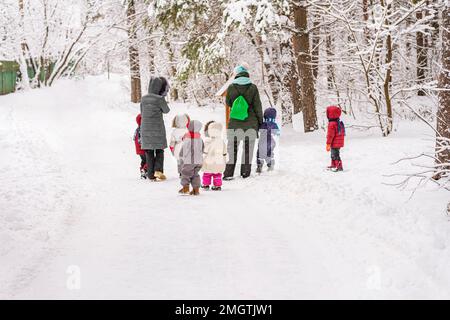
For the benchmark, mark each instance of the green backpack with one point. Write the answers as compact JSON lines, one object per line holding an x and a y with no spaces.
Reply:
{"x":239,"y":110}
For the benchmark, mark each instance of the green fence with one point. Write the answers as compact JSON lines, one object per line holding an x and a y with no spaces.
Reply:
{"x":44,"y":74}
{"x":9,"y":71}
{"x":8,"y":76}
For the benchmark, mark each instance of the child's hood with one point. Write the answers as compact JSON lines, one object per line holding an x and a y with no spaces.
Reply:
{"x":195,"y":126}
{"x":139,"y":119}
{"x":333,"y":112}
{"x":215,"y":130}
{"x":270,"y":114}
{"x":181,"y":121}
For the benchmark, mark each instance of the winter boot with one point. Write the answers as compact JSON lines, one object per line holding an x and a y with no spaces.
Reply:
{"x":184,"y":190}
{"x":143,"y":174}
{"x":206,"y":188}
{"x":216,"y":188}
{"x":333,"y":165}
{"x":160,"y":176}
{"x":339,"y":166}
{"x":195,"y":192}
{"x":151,"y":177}
{"x":246,"y":170}
{"x":259,"y":168}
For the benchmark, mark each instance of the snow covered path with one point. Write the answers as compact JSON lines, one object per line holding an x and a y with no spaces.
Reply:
{"x":70,"y":196}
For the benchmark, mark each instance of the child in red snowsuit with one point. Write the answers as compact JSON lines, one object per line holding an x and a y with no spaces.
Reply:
{"x":335,"y":137}
{"x":139,"y":151}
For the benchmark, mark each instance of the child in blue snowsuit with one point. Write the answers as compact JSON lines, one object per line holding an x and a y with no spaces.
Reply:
{"x":266,"y":145}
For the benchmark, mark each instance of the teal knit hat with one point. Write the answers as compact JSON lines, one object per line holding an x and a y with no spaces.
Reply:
{"x":240,"y":69}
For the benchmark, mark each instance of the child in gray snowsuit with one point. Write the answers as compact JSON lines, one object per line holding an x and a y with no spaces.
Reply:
{"x":191,"y":159}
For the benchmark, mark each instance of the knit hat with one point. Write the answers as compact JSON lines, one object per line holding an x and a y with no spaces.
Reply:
{"x":243,"y":67}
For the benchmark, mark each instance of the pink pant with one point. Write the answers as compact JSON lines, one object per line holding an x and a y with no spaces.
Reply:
{"x":216,"y":177}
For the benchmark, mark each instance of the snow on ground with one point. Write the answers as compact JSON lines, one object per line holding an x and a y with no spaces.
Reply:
{"x":70,"y":195}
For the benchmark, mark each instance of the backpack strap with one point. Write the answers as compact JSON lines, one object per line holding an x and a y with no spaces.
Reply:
{"x":240,"y":93}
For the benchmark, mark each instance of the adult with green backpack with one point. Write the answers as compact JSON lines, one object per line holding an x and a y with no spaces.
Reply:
{"x":246,"y":117}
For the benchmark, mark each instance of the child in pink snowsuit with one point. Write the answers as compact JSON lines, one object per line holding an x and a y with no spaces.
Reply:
{"x":214,"y":160}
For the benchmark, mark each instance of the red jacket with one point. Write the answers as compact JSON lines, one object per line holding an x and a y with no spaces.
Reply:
{"x":137,"y":137}
{"x":336,"y":129}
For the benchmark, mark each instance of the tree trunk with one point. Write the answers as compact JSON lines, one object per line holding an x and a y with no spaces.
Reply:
{"x":133,"y":52}
{"x":296,"y":94}
{"x":23,"y":49}
{"x":443,"y":114}
{"x":268,"y":64}
{"x":387,"y":86}
{"x":172,"y":68}
{"x":303,"y":56}
{"x":388,"y":76}
{"x":315,"y":46}
{"x":289,"y":92}
{"x":421,"y":56}
{"x":151,"y":56}
{"x":330,"y":66}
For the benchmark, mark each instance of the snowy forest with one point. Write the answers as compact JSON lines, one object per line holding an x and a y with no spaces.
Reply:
{"x":82,"y":68}
{"x":375,"y":59}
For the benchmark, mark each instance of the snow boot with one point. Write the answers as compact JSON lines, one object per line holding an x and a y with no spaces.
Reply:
{"x":339,"y":166}
{"x":184,"y":191}
{"x":143,"y":174}
{"x":216,"y":188}
{"x":333,"y":165}
{"x":195,"y":192}
{"x":228,"y":178}
{"x":206,"y":188}
{"x":160,"y":176}
{"x":259,"y":168}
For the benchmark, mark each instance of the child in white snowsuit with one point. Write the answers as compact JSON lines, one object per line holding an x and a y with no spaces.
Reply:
{"x":180,"y":128}
{"x":215,"y":156}
{"x":191,"y":159}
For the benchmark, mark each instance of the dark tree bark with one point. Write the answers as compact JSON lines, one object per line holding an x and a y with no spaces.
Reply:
{"x":443,"y":114}
{"x":315,"y":46}
{"x":133,"y":52}
{"x":303,"y":55}
{"x":291,"y":90}
{"x":388,"y":76}
{"x":330,"y":66}
{"x":422,"y":60}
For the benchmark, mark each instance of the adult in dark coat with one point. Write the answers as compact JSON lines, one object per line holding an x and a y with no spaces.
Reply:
{"x":245,"y":131}
{"x":153,"y":130}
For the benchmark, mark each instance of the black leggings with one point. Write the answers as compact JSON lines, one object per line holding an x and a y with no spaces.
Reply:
{"x":335,"y":154}
{"x":143,"y":161}
{"x":155,"y":161}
